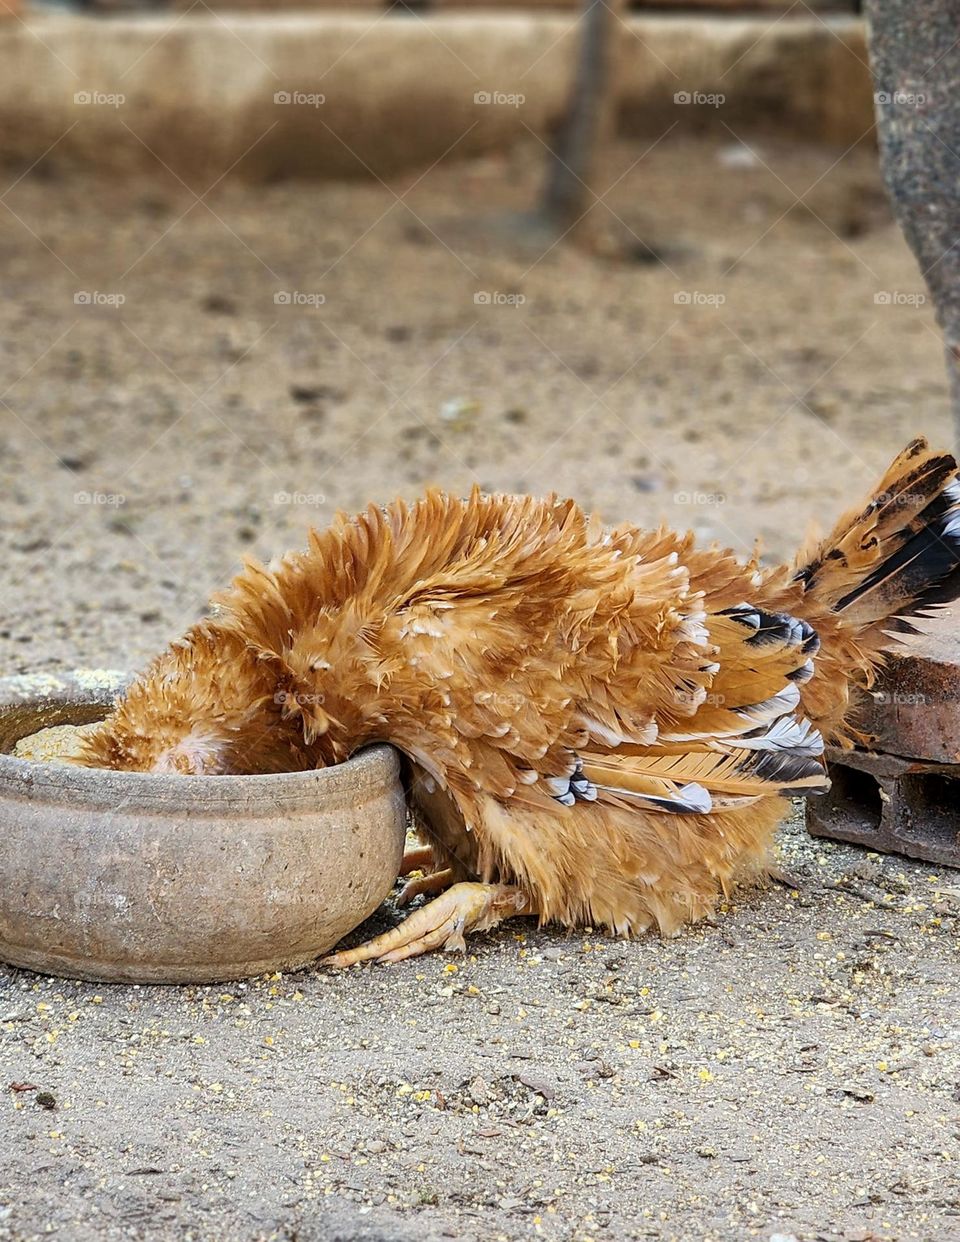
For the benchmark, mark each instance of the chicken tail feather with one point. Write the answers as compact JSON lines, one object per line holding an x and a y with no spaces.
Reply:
{"x":899,"y":555}
{"x":891,"y":560}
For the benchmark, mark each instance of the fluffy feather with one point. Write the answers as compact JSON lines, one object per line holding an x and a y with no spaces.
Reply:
{"x":606,"y":720}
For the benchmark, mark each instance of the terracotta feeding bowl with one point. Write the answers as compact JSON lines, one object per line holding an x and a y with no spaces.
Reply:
{"x":136,"y":877}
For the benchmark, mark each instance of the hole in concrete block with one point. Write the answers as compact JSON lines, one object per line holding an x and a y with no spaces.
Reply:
{"x":854,"y":798}
{"x":931,"y":808}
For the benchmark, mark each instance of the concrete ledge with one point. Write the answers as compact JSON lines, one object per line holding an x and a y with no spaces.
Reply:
{"x":197,"y":91}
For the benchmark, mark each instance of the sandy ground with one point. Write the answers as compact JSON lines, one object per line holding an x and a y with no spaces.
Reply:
{"x":792,"y":1070}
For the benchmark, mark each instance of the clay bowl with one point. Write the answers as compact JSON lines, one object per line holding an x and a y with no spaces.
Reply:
{"x":136,"y":877}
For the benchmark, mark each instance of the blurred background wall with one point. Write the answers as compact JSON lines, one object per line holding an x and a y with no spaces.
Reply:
{"x":261,"y":263}
{"x":240,"y":84}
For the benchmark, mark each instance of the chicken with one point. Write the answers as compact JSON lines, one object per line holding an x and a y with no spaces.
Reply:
{"x":601,"y":726}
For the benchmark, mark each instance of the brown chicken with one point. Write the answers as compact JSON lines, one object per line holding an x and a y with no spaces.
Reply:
{"x":601,"y":726}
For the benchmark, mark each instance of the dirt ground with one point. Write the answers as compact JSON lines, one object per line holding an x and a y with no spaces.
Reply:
{"x":751,"y":363}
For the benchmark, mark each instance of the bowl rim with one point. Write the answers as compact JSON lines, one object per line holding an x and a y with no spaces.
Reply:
{"x":366,"y":771}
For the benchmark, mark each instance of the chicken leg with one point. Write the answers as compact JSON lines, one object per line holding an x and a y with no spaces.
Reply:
{"x":433,"y":882}
{"x":441,"y":924}
{"x":420,"y":858}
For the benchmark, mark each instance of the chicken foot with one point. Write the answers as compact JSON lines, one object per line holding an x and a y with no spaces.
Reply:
{"x":440,"y":924}
{"x":422,"y":859}
{"x":434,"y":882}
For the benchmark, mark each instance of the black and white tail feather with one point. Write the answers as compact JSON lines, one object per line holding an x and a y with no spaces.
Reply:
{"x":896,"y":558}
{"x":914,"y":523}
{"x":737,"y":752}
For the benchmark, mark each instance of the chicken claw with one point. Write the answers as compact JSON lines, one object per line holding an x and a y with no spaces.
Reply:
{"x":441,"y":924}
{"x":435,"y":882}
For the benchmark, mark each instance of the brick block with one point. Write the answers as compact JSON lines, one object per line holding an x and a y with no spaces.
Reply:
{"x":889,"y":804}
{"x":914,"y":709}
{"x":903,"y":794}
